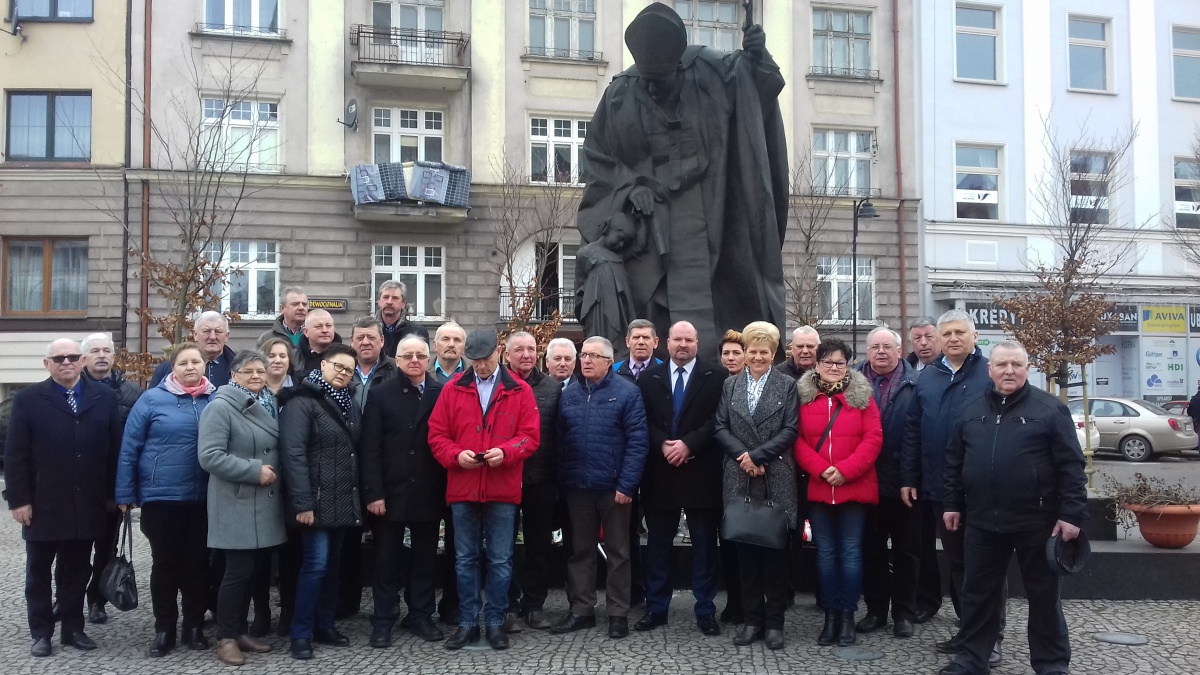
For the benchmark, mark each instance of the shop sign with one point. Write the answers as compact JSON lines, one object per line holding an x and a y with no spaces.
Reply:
{"x":1164,"y":319}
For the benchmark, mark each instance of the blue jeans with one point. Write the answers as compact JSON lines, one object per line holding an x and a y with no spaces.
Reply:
{"x":317,"y":586}
{"x":478,"y":526}
{"x":838,"y":533}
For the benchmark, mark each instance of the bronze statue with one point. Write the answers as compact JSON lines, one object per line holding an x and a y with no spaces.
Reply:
{"x":687,"y":148}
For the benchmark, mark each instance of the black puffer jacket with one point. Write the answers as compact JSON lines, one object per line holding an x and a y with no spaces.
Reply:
{"x":1013,"y":463}
{"x":540,"y":467}
{"x":319,"y":447}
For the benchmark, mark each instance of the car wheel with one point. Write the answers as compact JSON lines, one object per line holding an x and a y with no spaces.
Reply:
{"x":1136,"y":449}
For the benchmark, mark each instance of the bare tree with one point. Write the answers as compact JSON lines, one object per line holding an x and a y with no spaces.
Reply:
{"x":810,"y":203}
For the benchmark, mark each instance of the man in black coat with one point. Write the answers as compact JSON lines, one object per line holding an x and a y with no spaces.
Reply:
{"x":1193,"y":410}
{"x":60,"y":467}
{"x":1014,"y":468}
{"x":403,"y":487}
{"x":683,"y":471}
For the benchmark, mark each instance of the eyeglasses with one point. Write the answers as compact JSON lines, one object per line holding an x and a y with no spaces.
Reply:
{"x":412,"y":355}
{"x":882,"y":348}
{"x":211,"y":331}
{"x":834,"y":365}
{"x":588,"y":356}
{"x":339,"y":368}
{"x":253,"y":373}
{"x":71,"y":358}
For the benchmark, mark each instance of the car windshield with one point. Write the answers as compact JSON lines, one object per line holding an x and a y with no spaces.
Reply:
{"x":1154,"y":408}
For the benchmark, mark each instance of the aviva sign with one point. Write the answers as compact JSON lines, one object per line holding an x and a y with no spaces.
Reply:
{"x":1164,"y":319}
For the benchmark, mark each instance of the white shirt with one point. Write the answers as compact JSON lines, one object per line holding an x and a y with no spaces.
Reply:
{"x":687,"y":373}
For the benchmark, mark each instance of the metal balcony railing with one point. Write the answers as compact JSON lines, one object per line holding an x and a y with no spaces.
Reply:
{"x":848,"y":73}
{"x":253,"y":31}
{"x":832,"y":191}
{"x":572,"y":54}
{"x":561,"y":299}
{"x":409,"y":46}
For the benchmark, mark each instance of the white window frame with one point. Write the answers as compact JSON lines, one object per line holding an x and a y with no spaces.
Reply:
{"x":430,"y":263}
{"x":262,"y":125}
{"x":997,"y":33}
{"x":834,"y":284}
{"x":1087,"y":199}
{"x":826,"y":158}
{"x":997,"y":171}
{"x":580,"y":18}
{"x":1182,"y":53}
{"x":1189,"y":209}
{"x":245,"y":259}
{"x":553,"y":125}
{"x":431,"y":124}
{"x":402,"y":44}
{"x":255,"y":27}
{"x":1106,"y":44}
{"x":822,"y":62}
{"x":723,"y":35}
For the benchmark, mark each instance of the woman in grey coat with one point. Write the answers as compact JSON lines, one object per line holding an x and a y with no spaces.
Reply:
{"x":756,"y":426}
{"x":239,"y":448}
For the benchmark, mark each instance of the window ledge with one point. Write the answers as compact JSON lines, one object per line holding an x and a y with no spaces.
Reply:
{"x":241,"y":37}
{"x":1101,"y":92}
{"x":1185,"y":99}
{"x":55,"y":19}
{"x":18,"y":163}
{"x":566,"y":60}
{"x":993,"y":83}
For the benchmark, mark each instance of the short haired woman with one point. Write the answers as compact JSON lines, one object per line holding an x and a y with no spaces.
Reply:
{"x":733,"y":352}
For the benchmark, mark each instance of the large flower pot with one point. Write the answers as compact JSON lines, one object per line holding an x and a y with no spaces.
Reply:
{"x":1166,"y":526}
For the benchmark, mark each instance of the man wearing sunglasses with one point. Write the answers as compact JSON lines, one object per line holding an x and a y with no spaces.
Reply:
{"x":60,"y":466}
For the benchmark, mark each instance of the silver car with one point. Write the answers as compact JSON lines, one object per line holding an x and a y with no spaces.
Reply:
{"x":1137,"y":429}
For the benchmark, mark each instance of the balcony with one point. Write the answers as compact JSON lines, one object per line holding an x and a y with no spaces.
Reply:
{"x":822,"y":72}
{"x":568,"y":54}
{"x":560,"y":299}
{"x":409,"y":58}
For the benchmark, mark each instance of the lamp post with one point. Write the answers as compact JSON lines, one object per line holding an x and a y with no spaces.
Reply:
{"x":863,"y":208}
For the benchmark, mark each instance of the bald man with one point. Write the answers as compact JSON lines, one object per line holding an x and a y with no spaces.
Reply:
{"x":319,"y":333}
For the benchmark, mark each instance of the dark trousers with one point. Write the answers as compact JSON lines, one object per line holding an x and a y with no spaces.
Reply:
{"x":662,"y":526}
{"x":446,"y":575}
{"x":637,"y":568}
{"x":531,"y":563}
{"x":105,"y":550}
{"x":178,"y":536}
{"x":838,"y":533}
{"x":391,"y":574}
{"x":764,"y":585}
{"x":929,"y":579}
{"x":731,"y":576}
{"x":233,"y":598}
{"x":260,"y":586}
{"x":984,"y":593}
{"x":589,"y":511}
{"x":69,"y":560}
{"x":350,"y":582}
{"x":953,"y":547}
{"x":291,"y":555}
{"x":794,"y":553}
{"x":893,"y":583}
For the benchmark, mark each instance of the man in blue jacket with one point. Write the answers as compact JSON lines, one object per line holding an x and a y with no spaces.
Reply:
{"x":602,"y":444}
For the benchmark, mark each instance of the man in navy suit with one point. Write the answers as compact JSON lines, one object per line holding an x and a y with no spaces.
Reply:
{"x":60,"y":466}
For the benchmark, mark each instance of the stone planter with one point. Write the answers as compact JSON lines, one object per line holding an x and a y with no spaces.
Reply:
{"x":1170,"y":526}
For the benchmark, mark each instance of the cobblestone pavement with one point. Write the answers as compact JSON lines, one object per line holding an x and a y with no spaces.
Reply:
{"x":676,"y":648}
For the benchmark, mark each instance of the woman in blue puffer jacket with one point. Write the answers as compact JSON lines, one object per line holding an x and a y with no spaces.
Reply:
{"x":159,"y":469}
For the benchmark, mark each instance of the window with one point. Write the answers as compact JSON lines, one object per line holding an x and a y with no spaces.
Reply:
{"x":842,"y":43}
{"x":561,"y":139}
{"x":1187,"y":192}
{"x":405,"y":135}
{"x":837,"y":288}
{"x":976,"y":43}
{"x":1090,"y":175}
{"x":256,"y":17}
{"x":240,"y":136}
{"x":398,"y":24}
{"x":421,"y":269}
{"x":711,"y":23}
{"x":55,"y":10}
{"x":1087,"y":44}
{"x":251,"y":283}
{"x":563,"y":29}
{"x":977,"y":182}
{"x":51,"y":126}
{"x":1185,"y":46}
{"x":45,"y":276}
{"x":842,"y":162}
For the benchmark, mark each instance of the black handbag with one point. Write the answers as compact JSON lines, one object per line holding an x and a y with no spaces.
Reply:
{"x":750,"y":520}
{"x":117,"y":582}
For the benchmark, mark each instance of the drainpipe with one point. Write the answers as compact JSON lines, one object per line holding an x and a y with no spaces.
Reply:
{"x":144,"y":296}
{"x":899,"y":169}
{"x":125,"y":174}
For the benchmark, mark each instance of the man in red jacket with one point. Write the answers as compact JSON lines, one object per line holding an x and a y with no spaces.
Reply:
{"x":483,"y":428}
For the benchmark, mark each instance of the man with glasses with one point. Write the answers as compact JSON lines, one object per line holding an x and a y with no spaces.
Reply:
{"x":602,"y":444}
{"x":60,"y":467}
{"x":211,"y":332}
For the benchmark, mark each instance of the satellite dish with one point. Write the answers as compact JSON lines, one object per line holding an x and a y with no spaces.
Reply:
{"x":351,"y":114}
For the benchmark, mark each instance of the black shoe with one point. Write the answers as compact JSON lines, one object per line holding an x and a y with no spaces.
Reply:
{"x":536,"y":619}
{"x":55,"y":612}
{"x":870,"y":622}
{"x":618,"y":627}
{"x":732,"y":615}
{"x":774,"y":639}
{"x":96,"y":613}
{"x":512,"y":623}
{"x":496,"y":637}
{"x":196,"y":640}
{"x":846,"y":636}
{"x":573,"y":622}
{"x":903,"y":628}
{"x":162,"y":645}
{"x":41,"y":647}
{"x":950,"y":646}
{"x":829,"y":632}
{"x":79,"y":640}
{"x":707,"y":624}
{"x":748,"y":635}
{"x":650,"y":621}
{"x":301,"y":649}
{"x":424,"y":629}
{"x":381,"y":637}
{"x":330,"y":637}
{"x":462,"y":637}
{"x":261,"y":624}
{"x":924,"y":615}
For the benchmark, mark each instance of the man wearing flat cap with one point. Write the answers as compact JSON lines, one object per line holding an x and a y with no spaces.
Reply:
{"x":482,"y":429}
{"x":1013,"y":464}
{"x":688,"y":145}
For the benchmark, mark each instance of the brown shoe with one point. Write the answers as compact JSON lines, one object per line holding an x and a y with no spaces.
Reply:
{"x":249,"y":644}
{"x":229,"y":653}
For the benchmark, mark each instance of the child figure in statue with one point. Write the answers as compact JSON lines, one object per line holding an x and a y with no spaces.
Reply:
{"x":603,"y":303}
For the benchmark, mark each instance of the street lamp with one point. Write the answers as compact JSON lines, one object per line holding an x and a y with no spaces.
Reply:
{"x":863,"y":208}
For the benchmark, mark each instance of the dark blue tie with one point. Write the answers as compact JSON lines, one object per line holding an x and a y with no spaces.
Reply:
{"x":677,"y":399}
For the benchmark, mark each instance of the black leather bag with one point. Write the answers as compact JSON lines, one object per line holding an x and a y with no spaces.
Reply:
{"x":117,"y":583}
{"x":761,"y":522}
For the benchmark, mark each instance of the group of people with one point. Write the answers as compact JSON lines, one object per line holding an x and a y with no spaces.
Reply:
{"x":297,"y":447}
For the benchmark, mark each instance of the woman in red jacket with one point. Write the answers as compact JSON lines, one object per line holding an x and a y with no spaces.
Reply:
{"x":840,"y":437}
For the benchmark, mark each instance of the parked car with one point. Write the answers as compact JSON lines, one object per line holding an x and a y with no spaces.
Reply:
{"x":1178,"y":407}
{"x":1092,"y":433}
{"x":1137,"y":429}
